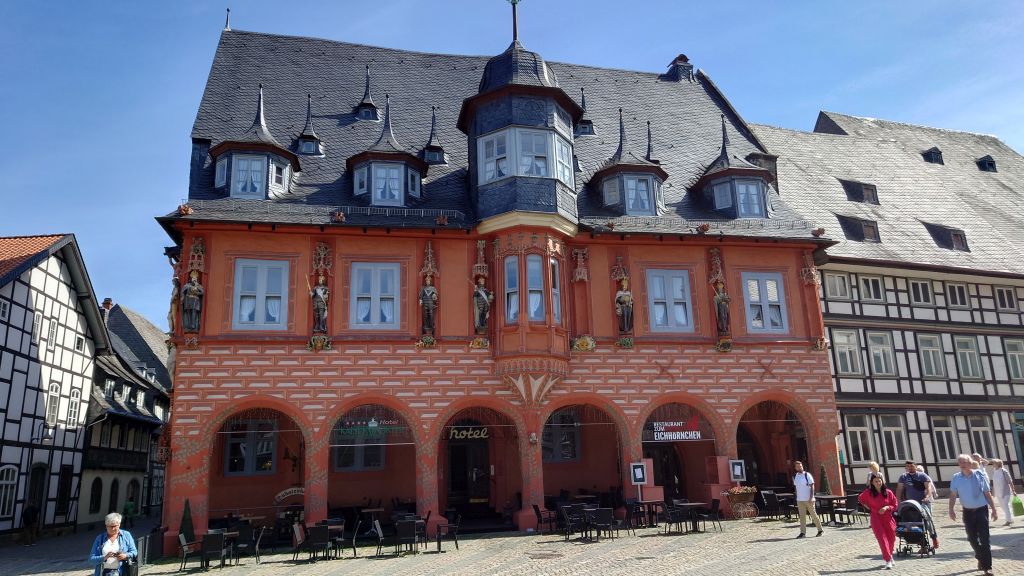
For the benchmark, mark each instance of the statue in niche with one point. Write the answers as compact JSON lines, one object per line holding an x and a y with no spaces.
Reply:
{"x":320,"y":295}
{"x":172,"y":310}
{"x":482,"y":298}
{"x":624,"y":307}
{"x":192,"y":304}
{"x":722,"y":309}
{"x":428,"y":303}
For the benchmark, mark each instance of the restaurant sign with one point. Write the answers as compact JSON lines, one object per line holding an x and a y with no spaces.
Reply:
{"x":677,"y":423}
{"x":288,"y":493}
{"x":672,"y":431}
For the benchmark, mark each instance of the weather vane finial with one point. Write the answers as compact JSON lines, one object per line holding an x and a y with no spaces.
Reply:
{"x":515,"y":20}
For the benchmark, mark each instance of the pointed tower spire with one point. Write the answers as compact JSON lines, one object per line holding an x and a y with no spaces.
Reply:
{"x":308,"y":131}
{"x":367,"y":99}
{"x":432,"y":141}
{"x":583,"y":99}
{"x":725,"y":139}
{"x":259,"y":132}
{"x":387,"y":141}
{"x":366,"y":109}
{"x":227,"y":21}
{"x":260,"y":120}
{"x":622,"y":138}
{"x":650,"y":144}
{"x":515,"y":21}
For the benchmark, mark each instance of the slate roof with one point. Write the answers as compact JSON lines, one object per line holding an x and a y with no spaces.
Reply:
{"x":987,"y":206}
{"x":118,"y":404}
{"x":685,"y":119}
{"x":140,"y":343}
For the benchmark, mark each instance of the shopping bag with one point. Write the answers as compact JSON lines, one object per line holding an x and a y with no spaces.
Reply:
{"x":1018,"y":505}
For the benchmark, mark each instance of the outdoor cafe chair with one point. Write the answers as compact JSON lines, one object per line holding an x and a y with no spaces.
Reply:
{"x":355,"y":536}
{"x":187,"y":549}
{"x":573,"y":521}
{"x":243,"y":542}
{"x":545,"y":517}
{"x":627,"y":522}
{"x":405,"y":535}
{"x":379,"y":532}
{"x":714,"y":513}
{"x":603,"y":520}
{"x":450,"y":530}
{"x":299,"y":540}
{"x":677,"y":516}
{"x":256,"y":545}
{"x":336,"y":534}
{"x":215,"y":546}
{"x":318,"y":542}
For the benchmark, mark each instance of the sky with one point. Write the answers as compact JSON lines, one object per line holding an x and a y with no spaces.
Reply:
{"x":98,"y":98}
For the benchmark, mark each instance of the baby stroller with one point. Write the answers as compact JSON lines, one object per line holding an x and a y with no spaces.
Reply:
{"x":913,"y":528}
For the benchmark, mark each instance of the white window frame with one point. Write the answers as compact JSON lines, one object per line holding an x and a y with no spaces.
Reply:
{"x":744,"y":207}
{"x":632,"y":193}
{"x":413,"y":182}
{"x":37,"y":326}
{"x":894,"y":437}
{"x":667,"y":300}
{"x":722,"y":193}
{"x":919,"y":288}
{"x":535,"y":292}
{"x":563,"y":162}
{"x":837,"y":285}
{"x":307,"y":146}
{"x":260,"y":295}
{"x":536,"y":161}
{"x":556,"y":290}
{"x":968,"y":357}
{"x":611,"y":191}
{"x":8,"y":490}
{"x":51,"y":333}
{"x":52,"y":403}
{"x":251,"y":440}
{"x":564,"y":428}
{"x":498,"y":160}
{"x":880,"y":353}
{"x":944,"y":432}
{"x":108,"y":388}
{"x":981,"y":433}
{"x":512,"y":285}
{"x":867,"y":288}
{"x":74,"y":404}
{"x":388,"y":168}
{"x":255,"y":165}
{"x":859,"y":437}
{"x":358,"y":457}
{"x":79,"y":344}
{"x":1006,"y":298}
{"x":846,"y":344}
{"x":931,"y":356}
{"x":963,"y":295}
{"x":557,"y":155}
{"x":376,"y":296}
{"x":284,"y":174}
{"x":220,"y":172}
{"x":5,"y":310}
{"x":1015,"y":358}
{"x":360,"y":181}
{"x":762,"y":303}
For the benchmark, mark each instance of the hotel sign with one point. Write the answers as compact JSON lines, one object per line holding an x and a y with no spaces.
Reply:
{"x":468,"y":433}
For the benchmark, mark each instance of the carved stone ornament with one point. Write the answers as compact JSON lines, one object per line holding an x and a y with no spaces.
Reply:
{"x":820,"y":345}
{"x":580,"y":274}
{"x":318,"y":342}
{"x":809,"y":273}
{"x":480,"y":343}
{"x":192,"y":341}
{"x":722,"y":300}
{"x":619,"y":271}
{"x":532,"y":378}
{"x":184,"y":210}
{"x":192,"y":304}
{"x":426,"y":341}
{"x":480,"y":268}
{"x":197,"y":256}
{"x":322,"y":259}
{"x":584,"y":343}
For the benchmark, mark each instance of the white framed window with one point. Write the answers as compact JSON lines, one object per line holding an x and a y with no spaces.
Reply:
{"x":494,"y":155}
{"x":837,"y":285}
{"x":639,"y":195}
{"x":871,"y":289}
{"x":668,"y":296}
{"x":535,"y":288}
{"x":881,"y":354}
{"x":858,"y":434}
{"x":52,"y":403}
{"x":375,"y":303}
{"x":847,"y":348}
{"x":533,"y":153}
{"x":37,"y":326}
{"x":414,"y":183}
{"x":968,"y":357}
{"x":434,"y":156}
{"x":893,"y":437}
{"x":1015,"y":359}
{"x":511,"y":289}
{"x":563,"y":162}
{"x":359,"y":458}
{"x":766,"y":302}
{"x":5,"y":310}
{"x":749,"y":200}
{"x":556,"y":291}
{"x":360,"y":183}
{"x":248,"y":176}
{"x":140,"y":399}
{"x":251,"y":448}
{"x":73,"y":406}
{"x":307,"y":147}
{"x":280,"y":175}
{"x":79,"y":344}
{"x":560,"y":441}
{"x":921,"y":292}
{"x":387,"y":184}
{"x":957,"y":295}
{"x":933,"y":360}
{"x":220,"y":173}
{"x":108,"y":388}
{"x":261,"y":294}
{"x":51,"y":333}
{"x":8,"y":490}
{"x":946,"y":449}
{"x":981,"y":434}
{"x":723,"y":195}
{"x":610,"y":188}
{"x":1006,"y":298}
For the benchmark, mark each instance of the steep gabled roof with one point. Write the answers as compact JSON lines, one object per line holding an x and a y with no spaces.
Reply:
{"x":139,"y":342}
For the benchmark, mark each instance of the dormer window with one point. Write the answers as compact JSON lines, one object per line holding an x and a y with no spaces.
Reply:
{"x":949,"y":238}
{"x":361,"y":182}
{"x":637,"y":194}
{"x":248,"y":176}
{"x":860,"y":192}
{"x":279,"y":174}
{"x":959,"y":240}
{"x":309,"y":146}
{"x":859,"y":230}
{"x":434,"y":156}
{"x":870,"y":232}
{"x":367,"y":113}
{"x":390,"y":182}
{"x":745,"y":195}
{"x":524,"y":152}
{"x":932,"y":156}
{"x":986,"y":164}
{"x":220,"y":177}
{"x":585,"y":128}
{"x":387,"y":184}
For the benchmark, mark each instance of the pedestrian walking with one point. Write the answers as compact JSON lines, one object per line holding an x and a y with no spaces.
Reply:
{"x":881,"y":503}
{"x":918,"y":486}
{"x":29,"y":523}
{"x":1002,"y":489}
{"x":804,"y":483}
{"x":971,"y":486}
{"x":129,"y":512}
{"x":873,"y":468}
{"x":114,"y":551}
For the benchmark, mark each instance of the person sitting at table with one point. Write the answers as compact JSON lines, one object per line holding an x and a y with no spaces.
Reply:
{"x":881,"y":502}
{"x":113,"y":551}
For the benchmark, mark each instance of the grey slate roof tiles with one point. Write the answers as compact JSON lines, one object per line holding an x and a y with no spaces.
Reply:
{"x":685,"y":122}
{"x":137,"y":340}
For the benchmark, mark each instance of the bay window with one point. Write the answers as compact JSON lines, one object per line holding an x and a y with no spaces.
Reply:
{"x":532,"y":281}
{"x":535,"y":287}
{"x":511,"y":290}
{"x":387,"y":184}
{"x":639,"y":197}
{"x":260,"y":295}
{"x":375,"y":302}
{"x":248,"y":176}
{"x":749,"y":201}
{"x":524,"y":152}
{"x":745,"y":196}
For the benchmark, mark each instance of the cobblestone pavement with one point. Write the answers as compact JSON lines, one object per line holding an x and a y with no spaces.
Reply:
{"x":745,"y":547}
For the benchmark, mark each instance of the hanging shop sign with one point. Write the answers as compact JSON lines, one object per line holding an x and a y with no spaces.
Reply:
{"x":468,"y":433}
{"x":376,"y":425}
{"x":288,"y":493}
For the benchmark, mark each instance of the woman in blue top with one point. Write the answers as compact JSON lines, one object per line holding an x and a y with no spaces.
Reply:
{"x":112,"y":551}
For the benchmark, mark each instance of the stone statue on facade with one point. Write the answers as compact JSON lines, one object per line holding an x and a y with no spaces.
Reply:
{"x":172,"y":310}
{"x":624,"y":307}
{"x":428,"y":305}
{"x":722,"y":310}
{"x":482,"y":298}
{"x":320,"y":294}
{"x":191,"y":304}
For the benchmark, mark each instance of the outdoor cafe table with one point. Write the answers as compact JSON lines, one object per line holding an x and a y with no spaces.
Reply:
{"x":651,"y":507}
{"x":831,"y":510}
{"x":691,"y":509}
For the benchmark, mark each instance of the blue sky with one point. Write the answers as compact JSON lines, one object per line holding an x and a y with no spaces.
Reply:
{"x":98,"y":98}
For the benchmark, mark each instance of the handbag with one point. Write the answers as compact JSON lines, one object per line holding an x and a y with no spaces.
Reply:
{"x":131,"y":568}
{"x":1018,"y":505}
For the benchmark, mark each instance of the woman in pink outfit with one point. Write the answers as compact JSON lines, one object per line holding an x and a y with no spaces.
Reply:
{"x":881,"y":502}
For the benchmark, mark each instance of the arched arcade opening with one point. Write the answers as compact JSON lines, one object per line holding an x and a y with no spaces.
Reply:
{"x":679,"y":439}
{"x":769,"y":438}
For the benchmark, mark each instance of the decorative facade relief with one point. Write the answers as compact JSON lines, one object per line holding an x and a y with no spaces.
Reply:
{"x":192,"y":292}
{"x":809,"y":273}
{"x":581,"y":274}
{"x":716,"y":277}
{"x":320,"y":295}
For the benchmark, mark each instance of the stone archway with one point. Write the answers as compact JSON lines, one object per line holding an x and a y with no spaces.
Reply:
{"x":582,"y":456}
{"x":678,"y":439}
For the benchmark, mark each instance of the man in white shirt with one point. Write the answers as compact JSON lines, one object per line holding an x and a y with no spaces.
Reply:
{"x":804,"y":484}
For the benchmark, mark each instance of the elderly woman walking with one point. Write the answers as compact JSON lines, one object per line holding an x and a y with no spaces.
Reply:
{"x":114,"y":550}
{"x":881,"y":502}
{"x":1002,"y":489}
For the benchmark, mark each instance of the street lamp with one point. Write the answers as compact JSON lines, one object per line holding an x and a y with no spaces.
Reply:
{"x":45,"y":436}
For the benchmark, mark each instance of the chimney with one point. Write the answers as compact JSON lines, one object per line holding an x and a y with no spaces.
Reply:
{"x":108,"y":303}
{"x":769,"y":162}
{"x":680,"y":69}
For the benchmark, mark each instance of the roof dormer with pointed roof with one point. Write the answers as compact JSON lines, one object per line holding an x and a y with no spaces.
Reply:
{"x":733,"y":186}
{"x":433,"y":152}
{"x":628,"y":181}
{"x":386,"y":172}
{"x":366,"y":109}
{"x":309,"y":142}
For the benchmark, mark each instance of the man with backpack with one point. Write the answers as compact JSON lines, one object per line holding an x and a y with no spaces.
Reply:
{"x":804,"y":484}
{"x":914,"y":485}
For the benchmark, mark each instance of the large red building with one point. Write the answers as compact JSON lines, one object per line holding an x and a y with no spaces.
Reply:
{"x":478,"y":284}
